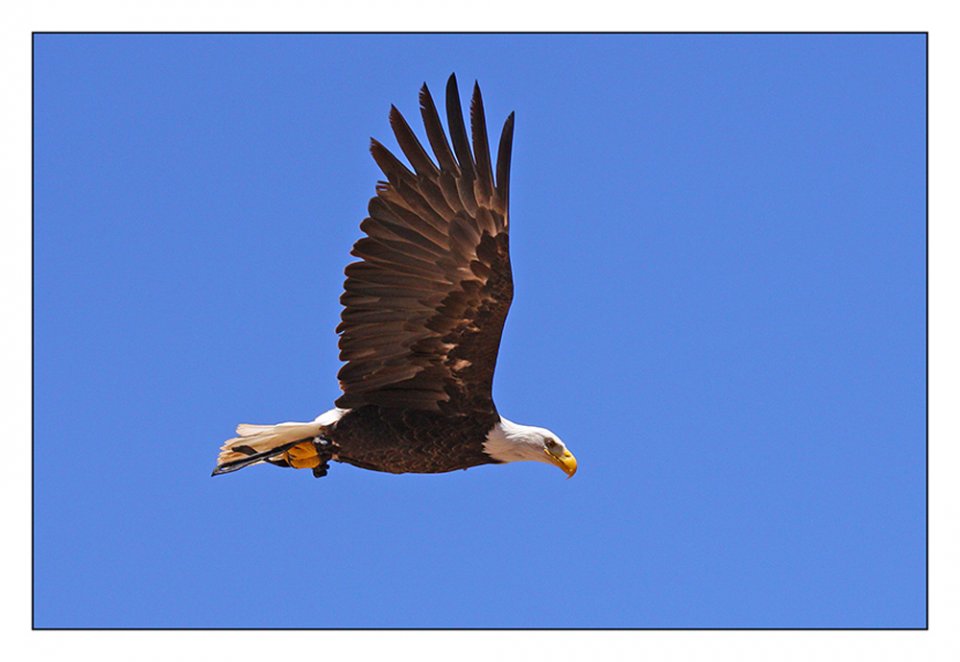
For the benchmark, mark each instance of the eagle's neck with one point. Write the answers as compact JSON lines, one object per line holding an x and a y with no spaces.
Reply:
{"x":511,"y":442}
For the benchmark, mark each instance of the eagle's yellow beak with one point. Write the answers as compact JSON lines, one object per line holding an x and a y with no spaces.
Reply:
{"x":566,"y":461}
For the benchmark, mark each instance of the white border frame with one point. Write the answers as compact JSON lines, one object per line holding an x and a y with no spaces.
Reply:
{"x":940,"y":642}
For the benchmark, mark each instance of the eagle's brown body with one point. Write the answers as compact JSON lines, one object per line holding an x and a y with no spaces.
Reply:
{"x":409,"y":440}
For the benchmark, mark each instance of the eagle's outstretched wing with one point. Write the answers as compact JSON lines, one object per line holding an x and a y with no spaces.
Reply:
{"x":424,"y":307}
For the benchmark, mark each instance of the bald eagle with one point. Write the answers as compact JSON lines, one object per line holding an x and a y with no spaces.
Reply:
{"x":423,"y":313}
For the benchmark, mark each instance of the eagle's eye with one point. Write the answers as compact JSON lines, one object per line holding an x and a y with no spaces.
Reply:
{"x":551,"y":443}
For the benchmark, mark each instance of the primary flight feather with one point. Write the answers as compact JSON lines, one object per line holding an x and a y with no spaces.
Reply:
{"x":423,"y":314}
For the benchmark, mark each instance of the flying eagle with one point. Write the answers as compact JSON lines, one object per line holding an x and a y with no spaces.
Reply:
{"x":423,"y":313}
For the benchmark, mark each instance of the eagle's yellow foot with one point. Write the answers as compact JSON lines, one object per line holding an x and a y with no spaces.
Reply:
{"x":303,"y":456}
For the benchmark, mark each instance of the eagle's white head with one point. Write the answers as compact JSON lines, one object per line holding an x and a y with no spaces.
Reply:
{"x":511,"y":442}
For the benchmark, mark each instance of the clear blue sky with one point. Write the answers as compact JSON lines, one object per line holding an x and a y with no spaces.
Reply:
{"x":718,"y":245}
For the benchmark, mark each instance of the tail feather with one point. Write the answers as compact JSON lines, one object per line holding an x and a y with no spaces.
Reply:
{"x":247,"y":430}
{"x":259,"y":443}
{"x":241,"y":461}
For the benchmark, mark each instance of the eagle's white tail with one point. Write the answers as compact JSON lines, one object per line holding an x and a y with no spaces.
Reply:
{"x":257,"y":443}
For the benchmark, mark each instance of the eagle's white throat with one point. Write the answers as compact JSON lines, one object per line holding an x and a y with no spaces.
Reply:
{"x":511,"y":442}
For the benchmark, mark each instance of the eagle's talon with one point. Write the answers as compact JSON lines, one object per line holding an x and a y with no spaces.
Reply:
{"x":324,"y":449}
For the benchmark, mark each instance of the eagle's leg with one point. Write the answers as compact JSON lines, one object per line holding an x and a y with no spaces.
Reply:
{"x":325,"y":452}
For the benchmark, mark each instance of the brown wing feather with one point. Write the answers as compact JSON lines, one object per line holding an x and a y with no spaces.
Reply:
{"x":424,"y":308}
